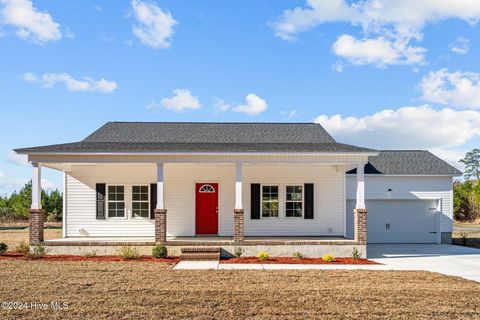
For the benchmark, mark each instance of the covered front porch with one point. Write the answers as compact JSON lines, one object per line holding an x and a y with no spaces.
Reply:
{"x":253,"y":200}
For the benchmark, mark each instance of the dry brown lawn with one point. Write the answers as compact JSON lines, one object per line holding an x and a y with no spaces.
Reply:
{"x":13,"y":237}
{"x":137,"y":290}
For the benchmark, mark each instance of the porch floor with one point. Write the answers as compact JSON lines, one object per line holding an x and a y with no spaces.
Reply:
{"x":197,"y":240}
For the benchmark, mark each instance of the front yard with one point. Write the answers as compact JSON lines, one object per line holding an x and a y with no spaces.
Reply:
{"x":13,"y":237}
{"x":140,"y":290}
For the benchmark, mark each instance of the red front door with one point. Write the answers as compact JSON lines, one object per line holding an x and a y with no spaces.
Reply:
{"x":206,"y":216}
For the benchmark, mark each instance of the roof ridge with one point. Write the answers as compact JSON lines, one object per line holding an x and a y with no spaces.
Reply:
{"x":213,"y":122}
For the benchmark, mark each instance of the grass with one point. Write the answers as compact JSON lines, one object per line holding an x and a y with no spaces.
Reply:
{"x":14,"y":237}
{"x":471,"y":229}
{"x":133,"y":290}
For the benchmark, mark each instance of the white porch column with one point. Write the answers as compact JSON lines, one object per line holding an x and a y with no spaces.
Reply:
{"x":160,"y":201}
{"x":360,"y":187}
{"x":238,"y":186}
{"x":36,"y":186}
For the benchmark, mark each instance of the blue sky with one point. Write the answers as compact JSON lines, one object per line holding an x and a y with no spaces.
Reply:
{"x":377,"y":73}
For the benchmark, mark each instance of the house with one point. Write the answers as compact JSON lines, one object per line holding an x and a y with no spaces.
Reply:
{"x":279,"y":187}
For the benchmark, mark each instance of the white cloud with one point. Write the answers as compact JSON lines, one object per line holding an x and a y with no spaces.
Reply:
{"x":379,"y":51}
{"x":221,"y":105}
{"x":407,"y":127}
{"x":29,"y":23}
{"x":254,"y":105}
{"x":397,"y":22}
{"x":16,"y":158}
{"x":289,"y":114}
{"x":182,"y":100}
{"x":154,"y":27}
{"x":460,"y":46}
{"x":460,"y":89}
{"x":48,"y":80}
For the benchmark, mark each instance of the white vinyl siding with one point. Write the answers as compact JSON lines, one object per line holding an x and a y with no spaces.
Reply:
{"x":179,"y":182}
{"x":409,"y":188}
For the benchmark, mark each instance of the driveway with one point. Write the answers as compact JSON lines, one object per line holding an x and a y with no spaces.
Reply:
{"x":447,"y":259}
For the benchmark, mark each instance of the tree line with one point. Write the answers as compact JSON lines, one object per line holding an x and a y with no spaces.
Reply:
{"x":16,"y":207}
{"x":466,"y":192}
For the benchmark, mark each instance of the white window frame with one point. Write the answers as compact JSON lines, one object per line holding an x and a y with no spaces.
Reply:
{"x":132,"y":201}
{"x":124,"y":202}
{"x":285,"y":201}
{"x":279,"y":200}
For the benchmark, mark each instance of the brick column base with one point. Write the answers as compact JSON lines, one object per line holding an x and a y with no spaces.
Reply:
{"x":161,"y":226}
{"x":360,"y":225}
{"x":238,"y":225}
{"x":36,"y":226}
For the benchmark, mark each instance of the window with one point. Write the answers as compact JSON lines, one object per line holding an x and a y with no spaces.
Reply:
{"x":206,"y":188}
{"x":140,"y":202}
{"x":116,"y":201}
{"x":269,"y":201}
{"x":294,"y":201}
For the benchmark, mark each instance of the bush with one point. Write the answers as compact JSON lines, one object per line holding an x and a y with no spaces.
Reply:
{"x":263,"y":256}
{"x":91,"y":254}
{"x":3,"y":248}
{"x":36,"y":252}
{"x":356,"y":254}
{"x":298,"y":255}
{"x":328,"y":258}
{"x":237,"y":252}
{"x":128,"y":253}
{"x":23,"y":247}
{"x":160,"y":252}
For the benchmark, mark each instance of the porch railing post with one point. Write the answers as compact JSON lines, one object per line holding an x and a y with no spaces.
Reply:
{"x":360,"y":212}
{"x":160,"y":211}
{"x":36,"y":211}
{"x":238,"y":212}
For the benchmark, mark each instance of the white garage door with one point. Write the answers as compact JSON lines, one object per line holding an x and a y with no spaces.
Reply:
{"x":398,"y":221}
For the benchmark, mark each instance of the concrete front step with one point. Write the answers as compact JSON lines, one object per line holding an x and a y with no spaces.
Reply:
{"x":200,"y":256}
{"x":201,"y":249}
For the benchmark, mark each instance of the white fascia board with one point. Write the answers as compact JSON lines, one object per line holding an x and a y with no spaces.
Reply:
{"x":200,"y":153}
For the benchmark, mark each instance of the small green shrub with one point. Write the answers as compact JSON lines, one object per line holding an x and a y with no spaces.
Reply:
{"x":328,"y":258}
{"x":91,"y":254}
{"x":36,"y":252}
{"x":263,"y":256}
{"x":128,"y":253}
{"x":3,"y":248}
{"x":238,"y":252}
{"x":23,"y":247}
{"x":298,"y":255}
{"x":356,"y":254}
{"x":160,"y":252}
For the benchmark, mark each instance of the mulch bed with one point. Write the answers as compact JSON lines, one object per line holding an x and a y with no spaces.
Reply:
{"x":288,"y":260}
{"x":68,"y":257}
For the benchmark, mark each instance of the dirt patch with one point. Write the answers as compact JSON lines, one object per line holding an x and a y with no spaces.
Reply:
{"x":126,"y":290}
{"x":288,"y":260}
{"x":20,"y":256}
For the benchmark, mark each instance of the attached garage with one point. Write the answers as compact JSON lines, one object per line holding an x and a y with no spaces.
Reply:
{"x":408,"y":197}
{"x":399,"y":221}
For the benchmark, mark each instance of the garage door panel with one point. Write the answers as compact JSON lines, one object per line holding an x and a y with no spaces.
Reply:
{"x":398,"y":221}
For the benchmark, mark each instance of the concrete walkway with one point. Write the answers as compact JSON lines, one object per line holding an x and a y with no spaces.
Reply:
{"x":215,"y":265}
{"x":446,"y":259}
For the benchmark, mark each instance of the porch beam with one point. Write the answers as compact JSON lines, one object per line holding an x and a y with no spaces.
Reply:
{"x":238,"y":186}
{"x":160,"y":200}
{"x":360,"y":187}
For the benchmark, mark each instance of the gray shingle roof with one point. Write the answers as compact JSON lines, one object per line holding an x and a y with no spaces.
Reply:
{"x":205,"y":132}
{"x":408,"y":162}
{"x":203,"y":137}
